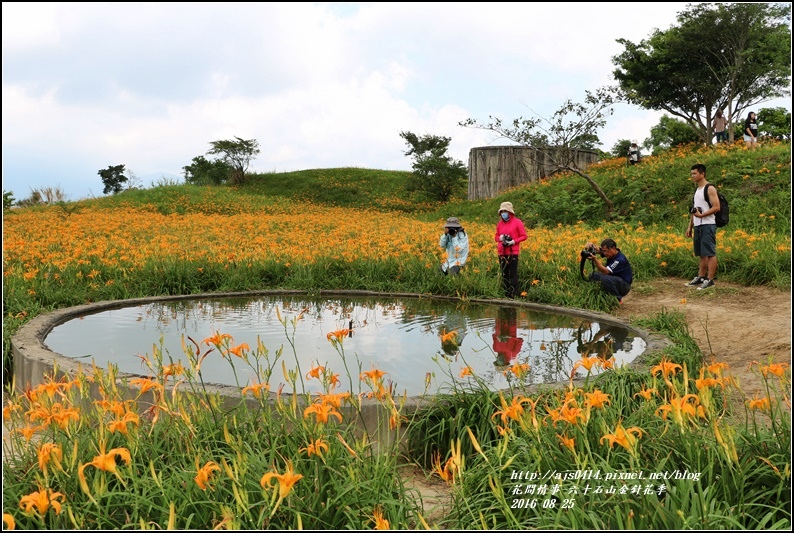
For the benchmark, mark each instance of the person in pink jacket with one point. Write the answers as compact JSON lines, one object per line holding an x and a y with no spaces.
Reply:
{"x":510,"y":233}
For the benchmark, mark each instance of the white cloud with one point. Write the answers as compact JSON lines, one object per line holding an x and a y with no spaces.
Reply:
{"x":321,"y":85}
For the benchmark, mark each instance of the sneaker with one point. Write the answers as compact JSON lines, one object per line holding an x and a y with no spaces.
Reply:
{"x":697,"y":280}
{"x":706,"y":284}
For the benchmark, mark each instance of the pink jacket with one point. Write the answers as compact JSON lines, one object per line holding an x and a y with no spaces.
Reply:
{"x":513,"y":227}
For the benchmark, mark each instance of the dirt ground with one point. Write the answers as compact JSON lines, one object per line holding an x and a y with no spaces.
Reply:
{"x":738,"y":325}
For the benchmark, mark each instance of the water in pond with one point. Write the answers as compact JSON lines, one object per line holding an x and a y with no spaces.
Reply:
{"x":406,"y":338}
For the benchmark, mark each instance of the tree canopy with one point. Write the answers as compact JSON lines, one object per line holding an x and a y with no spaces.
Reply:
{"x":113,"y":178}
{"x":726,"y":57}
{"x":435,"y":173}
{"x":237,"y":154}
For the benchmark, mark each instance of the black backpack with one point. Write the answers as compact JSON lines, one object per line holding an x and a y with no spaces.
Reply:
{"x":722,"y":216}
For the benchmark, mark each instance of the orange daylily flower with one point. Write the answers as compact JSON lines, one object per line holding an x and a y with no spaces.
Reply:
{"x":285,"y":483}
{"x":778,"y":369}
{"x":9,"y":522}
{"x":315,"y":372}
{"x":49,"y":452}
{"x":257,"y":389}
{"x":515,"y":410}
{"x":120,"y":425}
{"x":568,"y":442}
{"x":216,"y":339}
{"x":375,"y":375}
{"x":762,"y":404}
{"x":680,"y":406}
{"x":147,"y":384}
{"x":322,"y":411}
{"x":204,"y":473}
{"x":105,"y":462}
{"x":586,"y":362}
{"x":315,"y":448}
{"x":42,"y":500}
{"x":239,"y":350}
{"x":597,"y":399}
{"x":338,"y":335}
{"x":667,"y":368}
{"x":380,"y":522}
{"x":624,"y":437}
{"x":466,"y":371}
{"x":646,"y":393}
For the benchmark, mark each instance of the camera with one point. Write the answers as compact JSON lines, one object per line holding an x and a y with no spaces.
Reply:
{"x":506,"y":239}
{"x":452,"y":231}
{"x":693,"y":210}
{"x":589,"y":251}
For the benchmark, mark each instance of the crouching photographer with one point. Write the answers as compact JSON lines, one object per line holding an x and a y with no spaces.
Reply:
{"x":615,"y":275}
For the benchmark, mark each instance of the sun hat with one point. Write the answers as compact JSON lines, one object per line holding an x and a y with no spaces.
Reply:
{"x":507,"y":206}
{"x":453,"y":222}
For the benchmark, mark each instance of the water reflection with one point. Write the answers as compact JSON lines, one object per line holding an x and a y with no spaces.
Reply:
{"x":506,"y":342}
{"x":407,"y":338}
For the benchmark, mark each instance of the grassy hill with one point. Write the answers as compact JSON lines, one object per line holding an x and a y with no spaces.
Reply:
{"x":656,"y":192}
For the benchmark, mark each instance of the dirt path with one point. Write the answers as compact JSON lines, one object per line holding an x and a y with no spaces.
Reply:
{"x":737,"y":324}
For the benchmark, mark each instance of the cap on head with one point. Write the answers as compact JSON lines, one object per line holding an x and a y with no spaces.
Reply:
{"x":453,"y":222}
{"x":507,"y":206}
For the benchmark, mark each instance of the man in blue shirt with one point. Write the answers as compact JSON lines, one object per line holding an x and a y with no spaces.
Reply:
{"x":615,"y":276}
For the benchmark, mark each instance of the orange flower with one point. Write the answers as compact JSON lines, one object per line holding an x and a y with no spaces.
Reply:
{"x":105,"y":462}
{"x":338,"y":335}
{"x":667,"y":368}
{"x":315,"y":372}
{"x":121,"y":425}
{"x":9,"y":522}
{"x":49,"y":452}
{"x":322,"y":411}
{"x":778,"y":369}
{"x":568,"y":442}
{"x":285,"y":483}
{"x":624,"y":437}
{"x":466,"y":372}
{"x":761,"y":404}
{"x":646,"y":393}
{"x":42,"y":500}
{"x":518,"y":369}
{"x":515,"y":410}
{"x":680,"y":406}
{"x":256,"y":389}
{"x":375,"y":375}
{"x":216,"y":339}
{"x":147,"y":384}
{"x":586,"y":362}
{"x":596,"y":399}
{"x":240,"y":350}
{"x":380,"y":522}
{"x":315,"y":448}
{"x":204,"y":473}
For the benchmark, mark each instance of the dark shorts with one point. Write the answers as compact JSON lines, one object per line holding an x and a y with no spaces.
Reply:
{"x":705,"y":241}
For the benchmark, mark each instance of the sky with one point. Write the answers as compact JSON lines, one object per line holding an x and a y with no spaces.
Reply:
{"x":318,"y":85}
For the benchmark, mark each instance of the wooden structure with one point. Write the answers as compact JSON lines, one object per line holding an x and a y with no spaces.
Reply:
{"x":493,"y":169}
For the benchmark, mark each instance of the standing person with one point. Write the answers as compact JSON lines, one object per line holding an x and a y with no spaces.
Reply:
{"x":751,"y":131}
{"x":705,"y":228}
{"x":634,"y":154}
{"x":509,"y":233}
{"x":616,"y":276}
{"x":455,"y":241}
{"x":720,"y":124}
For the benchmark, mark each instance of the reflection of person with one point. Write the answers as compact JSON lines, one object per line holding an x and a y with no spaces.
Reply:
{"x":704,"y":237}
{"x":750,"y":131}
{"x":604,"y":343}
{"x":720,"y":124}
{"x":634,"y":154}
{"x":451,"y":333}
{"x":509,"y":233}
{"x":456,"y":243}
{"x":616,"y":276}
{"x":506,"y":342}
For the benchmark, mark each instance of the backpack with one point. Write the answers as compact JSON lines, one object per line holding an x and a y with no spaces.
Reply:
{"x":722,"y":216}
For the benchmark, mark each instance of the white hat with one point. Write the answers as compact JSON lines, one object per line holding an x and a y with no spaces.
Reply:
{"x":453,"y":222}
{"x":507,"y":206}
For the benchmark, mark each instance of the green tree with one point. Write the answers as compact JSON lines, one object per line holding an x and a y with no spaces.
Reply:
{"x":202,"y":171}
{"x":555,"y":140}
{"x":669,"y":132}
{"x":435,"y":173}
{"x":237,"y":154}
{"x":774,"y":122}
{"x":113,"y":177}
{"x":621,"y":148}
{"x":8,"y":199}
{"x":727,"y":56}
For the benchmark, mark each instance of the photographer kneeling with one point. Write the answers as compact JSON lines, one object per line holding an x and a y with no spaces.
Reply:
{"x":616,"y":276}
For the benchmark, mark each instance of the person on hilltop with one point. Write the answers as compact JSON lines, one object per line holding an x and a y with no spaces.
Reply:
{"x":510,"y":233}
{"x":750,"y":131}
{"x":720,"y":126}
{"x":456,"y":243}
